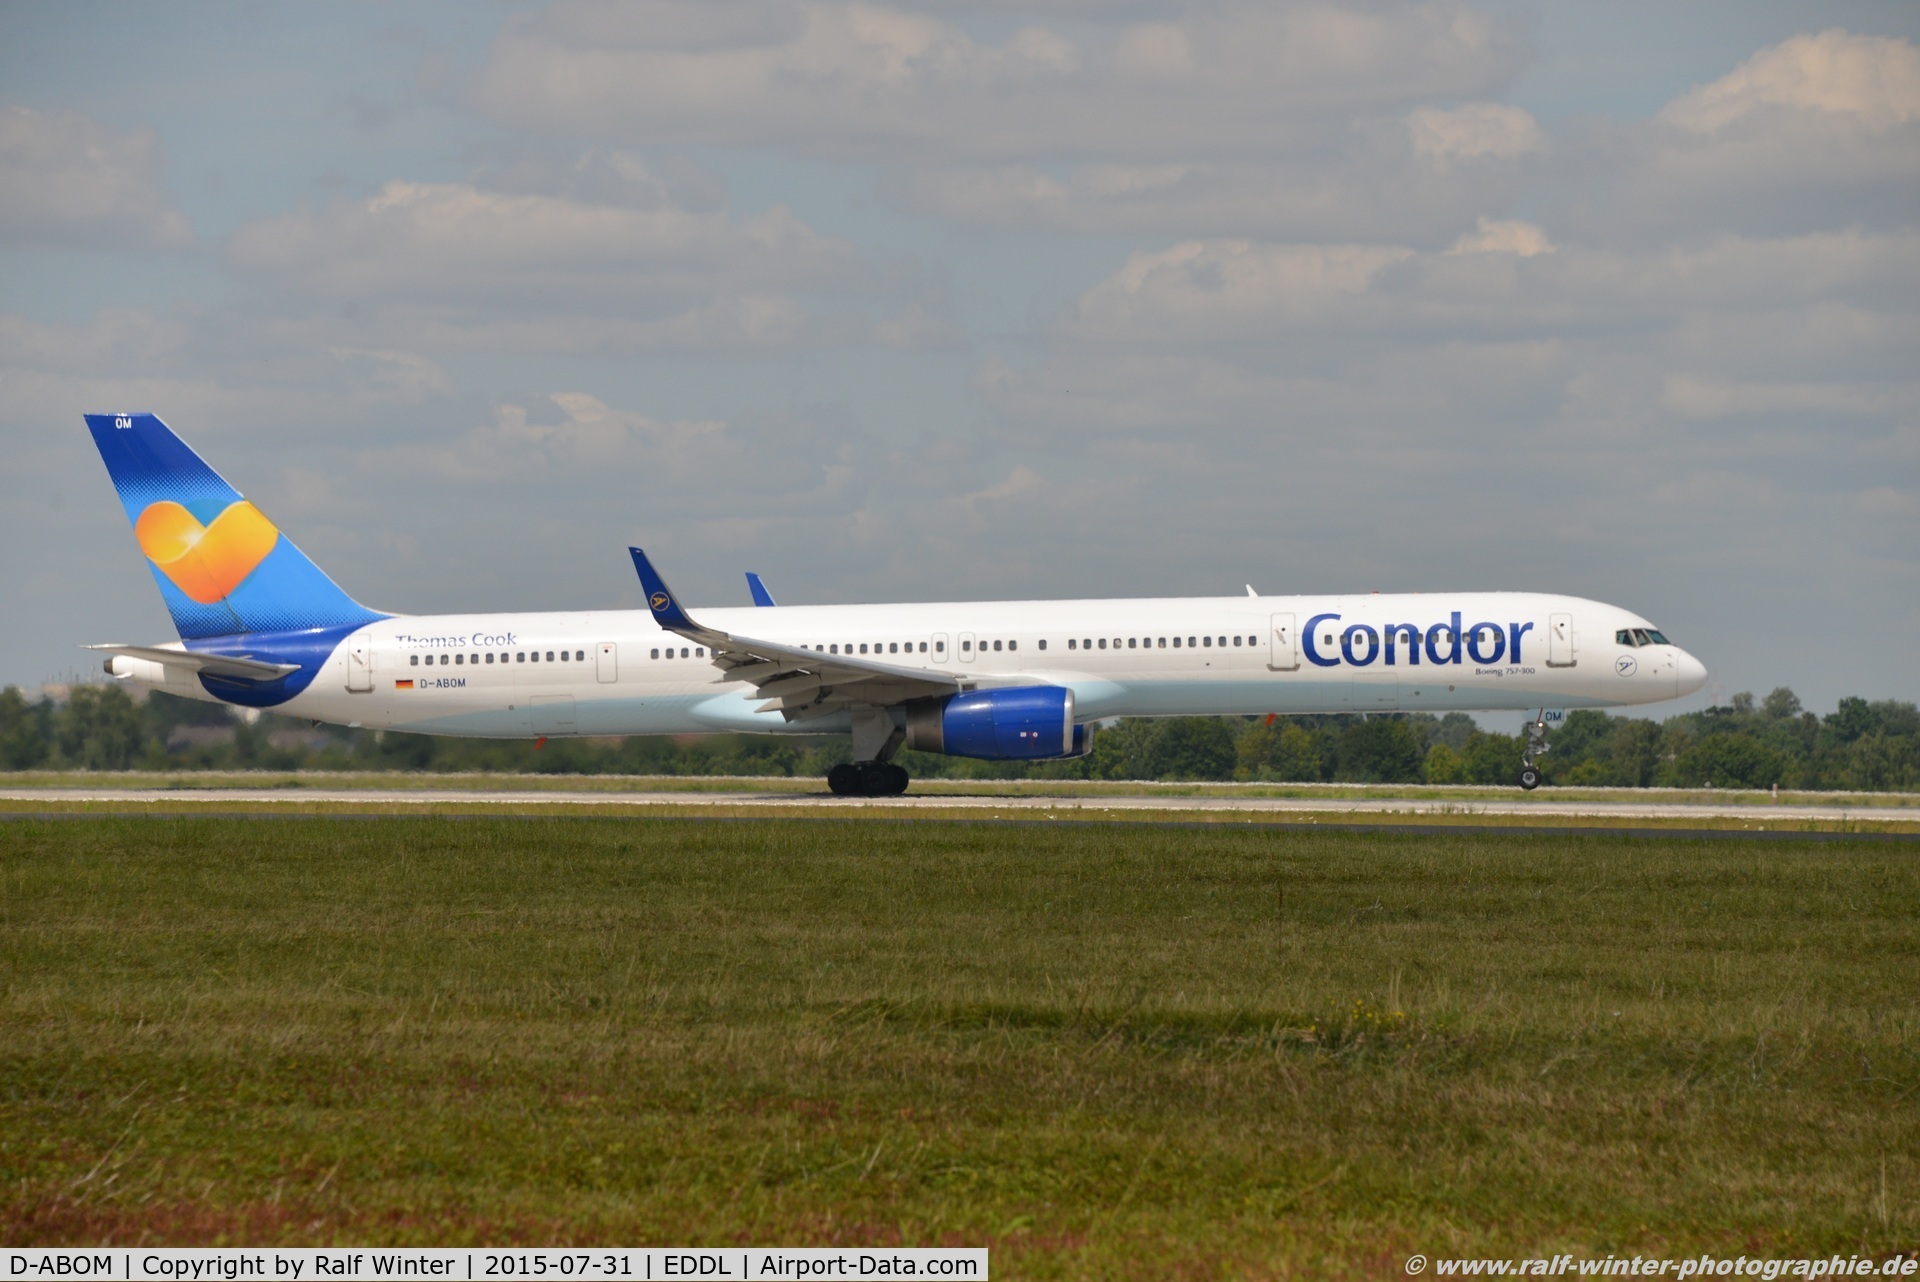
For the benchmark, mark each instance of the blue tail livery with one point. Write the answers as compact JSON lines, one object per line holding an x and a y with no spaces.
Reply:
{"x":222,"y":567}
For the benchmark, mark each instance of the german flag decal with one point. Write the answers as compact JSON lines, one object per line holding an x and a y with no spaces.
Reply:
{"x":403,"y":685}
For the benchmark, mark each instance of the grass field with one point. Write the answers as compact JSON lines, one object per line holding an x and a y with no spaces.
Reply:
{"x":1104,"y":1051}
{"x":397,"y":781}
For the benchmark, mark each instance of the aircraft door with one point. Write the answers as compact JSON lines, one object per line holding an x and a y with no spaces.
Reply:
{"x":1283,"y":645}
{"x":360,"y":662}
{"x":1560,"y":653}
{"x":609,"y":662}
{"x":966,"y":647}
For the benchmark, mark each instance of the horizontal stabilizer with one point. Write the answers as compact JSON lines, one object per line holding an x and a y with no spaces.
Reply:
{"x":214,"y":665}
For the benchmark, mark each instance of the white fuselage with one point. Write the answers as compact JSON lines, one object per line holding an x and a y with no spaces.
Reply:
{"x":503,"y":675}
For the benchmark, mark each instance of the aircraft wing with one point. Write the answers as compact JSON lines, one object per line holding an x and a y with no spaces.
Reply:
{"x":797,"y":682}
{"x":218,"y":665}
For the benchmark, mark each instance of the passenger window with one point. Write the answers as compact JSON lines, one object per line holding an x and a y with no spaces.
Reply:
{"x":1073,"y":643}
{"x":966,"y":645}
{"x":699,"y":652}
{"x":459,"y":658}
{"x":1163,"y":642}
{"x":1176,"y":642}
{"x":1132,"y":642}
{"x":1207,"y":641}
{"x":656,"y":652}
{"x":835,"y":649}
{"x":521,"y":656}
{"x":939,"y":646}
{"x":893,"y":647}
{"x":923,"y":647}
{"x":1103,"y":643}
{"x":489,"y":656}
{"x":996,"y":645}
{"x":683,"y":652}
{"x":863,"y":647}
{"x":1012,"y":645}
{"x":1189,"y":642}
{"x":416,"y":660}
{"x":549,"y":656}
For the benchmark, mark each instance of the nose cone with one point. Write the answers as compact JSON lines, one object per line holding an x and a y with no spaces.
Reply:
{"x":1690,"y":674}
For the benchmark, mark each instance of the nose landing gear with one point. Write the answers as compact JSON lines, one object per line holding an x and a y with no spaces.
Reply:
{"x":867,"y":779}
{"x":1537,"y":746}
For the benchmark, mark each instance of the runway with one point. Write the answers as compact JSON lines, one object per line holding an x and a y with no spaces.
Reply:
{"x":1502,"y":808}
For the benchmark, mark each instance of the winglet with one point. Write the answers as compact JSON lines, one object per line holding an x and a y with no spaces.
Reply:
{"x":759,"y":590}
{"x":666,"y":611}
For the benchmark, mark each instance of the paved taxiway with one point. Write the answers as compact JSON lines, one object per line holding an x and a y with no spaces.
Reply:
{"x":1517,"y":806}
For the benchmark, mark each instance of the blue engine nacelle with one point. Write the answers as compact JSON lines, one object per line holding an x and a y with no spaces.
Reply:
{"x":1022,"y":723}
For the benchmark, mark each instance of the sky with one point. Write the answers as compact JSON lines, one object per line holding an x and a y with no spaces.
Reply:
{"x":975,"y":301}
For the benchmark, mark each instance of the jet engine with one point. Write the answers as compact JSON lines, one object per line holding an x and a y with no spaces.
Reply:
{"x":1020,"y":723}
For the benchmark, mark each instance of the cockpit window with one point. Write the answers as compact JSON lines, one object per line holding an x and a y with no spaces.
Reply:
{"x":1640,"y":636}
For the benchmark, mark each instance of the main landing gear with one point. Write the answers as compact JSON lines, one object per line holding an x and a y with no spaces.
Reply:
{"x":867,"y":779}
{"x":1536,"y":747}
{"x":871,"y":773}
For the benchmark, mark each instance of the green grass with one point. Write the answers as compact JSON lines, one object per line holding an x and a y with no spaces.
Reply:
{"x":1104,"y":1051}
{"x":399,"y":781}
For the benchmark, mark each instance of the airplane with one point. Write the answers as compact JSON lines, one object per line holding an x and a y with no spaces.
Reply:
{"x":261,"y":626}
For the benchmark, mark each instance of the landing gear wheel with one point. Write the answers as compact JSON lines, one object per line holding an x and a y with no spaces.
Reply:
{"x":844,"y":780}
{"x":897,"y":781}
{"x":1529,"y":777}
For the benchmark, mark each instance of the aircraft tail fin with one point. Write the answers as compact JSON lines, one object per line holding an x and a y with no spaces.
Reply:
{"x":221,"y":565}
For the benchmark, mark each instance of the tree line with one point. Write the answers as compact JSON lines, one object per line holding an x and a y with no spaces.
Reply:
{"x":1748,"y":743}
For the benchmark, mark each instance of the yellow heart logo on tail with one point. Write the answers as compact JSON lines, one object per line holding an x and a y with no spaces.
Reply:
{"x":205,"y":561}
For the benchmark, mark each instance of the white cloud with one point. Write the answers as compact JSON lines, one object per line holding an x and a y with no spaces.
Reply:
{"x":455,"y":240}
{"x":1155,"y":51}
{"x":1817,"y":132}
{"x":1874,"y":79}
{"x":1375,"y":189}
{"x":1201,"y":291}
{"x":1203,"y":336}
{"x":1475,"y":131}
{"x":1504,"y":236}
{"x":460,"y":265}
{"x":66,"y":179}
{"x":852,"y":79}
